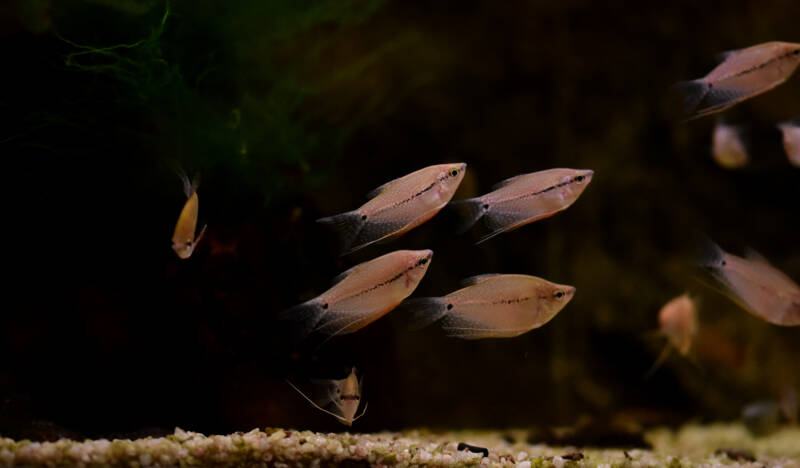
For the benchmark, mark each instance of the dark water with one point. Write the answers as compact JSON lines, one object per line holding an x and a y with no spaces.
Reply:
{"x":291,"y":111}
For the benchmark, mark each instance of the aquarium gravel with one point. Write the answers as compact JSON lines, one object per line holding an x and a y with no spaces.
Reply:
{"x":702,"y":446}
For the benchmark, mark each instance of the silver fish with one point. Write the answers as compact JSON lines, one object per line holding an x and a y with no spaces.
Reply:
{"x":791,"y":140}
{"x":493,"y":306}
{"x":728,"y":148}
{"x":755,"y":285}
{"x":524,"y":199}
{"x":743,"y":74}
{"x":343,"y":396}
{"x":398,"y":206}
{"x":363,"y":293}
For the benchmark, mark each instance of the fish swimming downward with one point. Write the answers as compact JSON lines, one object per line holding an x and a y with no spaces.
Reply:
{"x":493,"y":306}
{"x":397,"y":206}
{"x":727,"y":146}
{"x":183,"y":238}
{"x":363,"y":293}
{"x":524,"y":199}
{"x":791,"y":140}
{"x":343,"y":396}
{"x":677,"y":322}
{"x":755,"y":285}
{"x":743,"y":74}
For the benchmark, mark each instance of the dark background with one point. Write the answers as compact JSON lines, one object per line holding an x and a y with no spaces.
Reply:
{"x":293,"y":110}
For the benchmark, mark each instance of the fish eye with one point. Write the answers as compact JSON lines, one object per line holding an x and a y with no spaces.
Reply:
{"x":454,"y":172}
{"x":422,"y":261}
{"x":559,"y":294}
{"x":797,"y":52}
{"x":579,"y":179}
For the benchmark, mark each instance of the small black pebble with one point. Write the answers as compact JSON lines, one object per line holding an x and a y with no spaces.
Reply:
{"x":573,"y":456}
{"x":473,"y":449}
{"x":737,"y":454}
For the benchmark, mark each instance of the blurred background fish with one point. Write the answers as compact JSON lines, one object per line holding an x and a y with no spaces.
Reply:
{"x":727,"y":146}
{"x":757,"y":286}
{"x":790,"y":132}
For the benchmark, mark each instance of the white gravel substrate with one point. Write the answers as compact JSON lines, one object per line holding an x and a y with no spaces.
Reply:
{"x":691,"y":446}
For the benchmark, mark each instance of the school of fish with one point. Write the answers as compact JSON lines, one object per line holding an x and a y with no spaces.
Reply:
{"x":509,"y":305}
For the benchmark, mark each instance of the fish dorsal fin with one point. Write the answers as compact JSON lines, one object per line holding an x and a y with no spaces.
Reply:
{"x":338,"y":278}
{"x":473,"y":280}
{"x":793,"y":122}
{"x":507,"y":182}
{"x":755,"y":256}
{"x":723,"y":56}
{"x":374,"y":193}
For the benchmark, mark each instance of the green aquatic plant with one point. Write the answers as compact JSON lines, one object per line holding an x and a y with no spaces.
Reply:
{"x":235,"y":88}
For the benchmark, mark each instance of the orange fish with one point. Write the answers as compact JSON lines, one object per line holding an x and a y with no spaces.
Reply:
{"x":677,"y":321}
{"x":728,"y":148}
{"x":363,"y":293}
{"x":398,"y":206}
{"x":493,"y":306}
{"x":183,"y":238}
{"x":524,"y":199}
{"x":743,"y":74}
{"x":755,"y":285}
{"x":343,"y":395}
{"x":791,"y":140}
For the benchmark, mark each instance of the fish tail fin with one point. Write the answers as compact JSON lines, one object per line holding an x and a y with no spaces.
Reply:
{"x":662,"y":357}
{"x":470,"y":211}
{"x":307,"y":315}
{"x":189,"y":186}
{"x":709,"y":254}
{"x":425,"y":311}
{"x":694,"y":92}
{"x":347,"y":225}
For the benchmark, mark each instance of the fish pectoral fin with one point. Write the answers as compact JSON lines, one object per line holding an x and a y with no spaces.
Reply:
{"x":200,"y":236}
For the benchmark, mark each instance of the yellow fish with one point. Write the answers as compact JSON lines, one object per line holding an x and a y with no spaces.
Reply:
{"x":363,"y":293}
{"x":728,"y":148}
{"x":183,"y":238}
{"x":398,"y":206}
{"x":344,"y":397}
{"x":791,"y":140}
{"x":755,"y":285}
{"x":493,"y":306}
{"x":743,"y":74}
{"x":524,"y":199}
